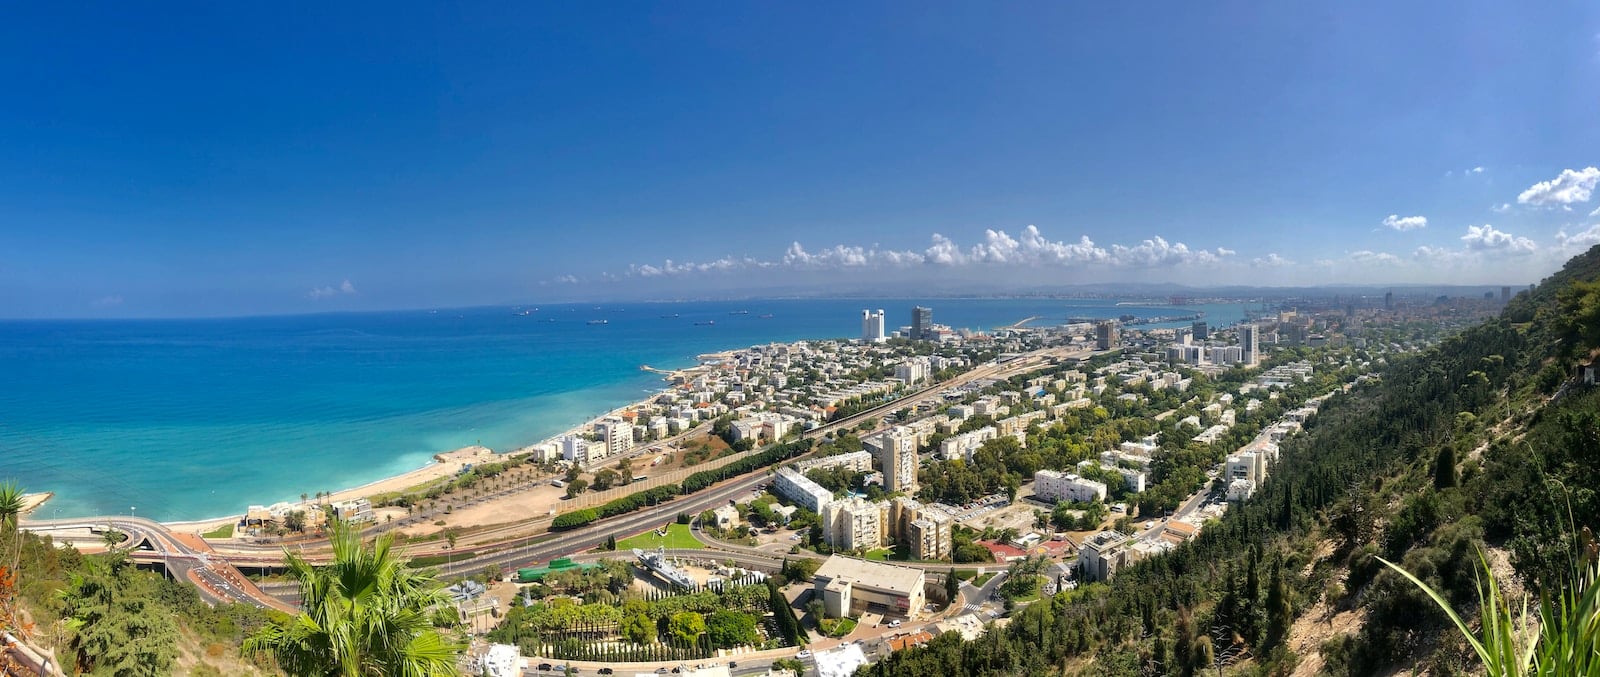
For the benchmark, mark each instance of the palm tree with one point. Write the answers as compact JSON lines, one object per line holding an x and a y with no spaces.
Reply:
{"x":364,"y":614}
{"x":10,"y":511}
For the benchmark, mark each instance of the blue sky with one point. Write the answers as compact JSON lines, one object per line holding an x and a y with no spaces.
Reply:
{"x":205,"y":159}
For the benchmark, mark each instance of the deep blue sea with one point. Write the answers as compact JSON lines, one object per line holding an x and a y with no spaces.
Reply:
{"x":192,"y":419}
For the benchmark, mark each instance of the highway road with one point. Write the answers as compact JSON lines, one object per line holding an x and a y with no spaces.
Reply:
{"x":216,"y":579}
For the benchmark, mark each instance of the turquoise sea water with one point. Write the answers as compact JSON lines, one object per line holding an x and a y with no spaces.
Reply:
{"x":190,"y":419}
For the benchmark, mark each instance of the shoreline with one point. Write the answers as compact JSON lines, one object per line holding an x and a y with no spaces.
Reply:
{"x":446,"y":464}
{"x":440,"y":468}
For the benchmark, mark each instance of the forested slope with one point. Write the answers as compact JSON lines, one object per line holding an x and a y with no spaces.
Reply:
{"x":1484,"y":441}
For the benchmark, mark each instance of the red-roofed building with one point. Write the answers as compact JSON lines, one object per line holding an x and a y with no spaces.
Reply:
{"x":1003,"y":552}
{"x":900,"y":642}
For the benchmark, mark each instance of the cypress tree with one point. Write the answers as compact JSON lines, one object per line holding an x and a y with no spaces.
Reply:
{"x":1280,"y":614}
{"x":1444,"y":467}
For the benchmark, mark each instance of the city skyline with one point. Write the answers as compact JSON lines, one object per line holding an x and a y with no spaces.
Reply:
{"x":220,"y":161}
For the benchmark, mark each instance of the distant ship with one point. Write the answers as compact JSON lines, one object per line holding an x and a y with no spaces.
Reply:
{"x":738,"y":312}
{"x":599,"y":322}
{"x":668,"y":317}
{"x":707,"y":323}
{"x":767,"y":316}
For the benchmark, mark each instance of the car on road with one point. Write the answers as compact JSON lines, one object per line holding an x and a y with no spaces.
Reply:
{"x":606,"y":671}
{"x":1149,"y":525}
{"x":544,"y":667}
{"x":804,"y":653}
{"x":894,"y":623}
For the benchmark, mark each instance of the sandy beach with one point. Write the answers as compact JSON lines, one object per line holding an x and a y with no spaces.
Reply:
{"x":446,"y":464}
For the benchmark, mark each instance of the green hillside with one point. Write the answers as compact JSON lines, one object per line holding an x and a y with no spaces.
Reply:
{"x":1486,"y":441}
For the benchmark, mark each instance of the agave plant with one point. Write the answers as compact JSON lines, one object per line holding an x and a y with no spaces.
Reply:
{"x":1563,"y":639}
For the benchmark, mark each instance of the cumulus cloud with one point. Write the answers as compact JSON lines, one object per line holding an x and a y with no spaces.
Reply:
{"x":1028,"y":248}
{"x":106,"y":301}
{"x":1501,"y":208}
{"x":1567,"y":188}
{"x":1581,"y":240}
{"x":345,"y":288}
{"x":1476,"y":170}
{"x":1271,"y":260}
{"x":1396,"y":222}
{"x":1486,"y":238}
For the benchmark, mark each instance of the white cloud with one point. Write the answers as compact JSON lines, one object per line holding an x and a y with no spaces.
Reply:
{"x":1158,"y":252}
{"x":344,"y":288}
{"x":105,"y":301}
{"x":1486,"y":239}
{"x":1441,"y":255}
{"x":1501,"y":208}
{"x":1567,"y":188}
{"x":1368,"y":257}
{"x":1029,"y":248}
{"x":1396,"y":222}
{"x":1596,"y":212}
{"x":1581,"y":240}
{"x":1476,"y":170}
{"x":1271,"y":260}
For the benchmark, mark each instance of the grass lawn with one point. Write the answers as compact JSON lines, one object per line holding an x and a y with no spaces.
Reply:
{"x":1029,"y":593}
{"x":979,"y":581}
{"x":224,"y":531}
{"x":878,"y":554}
{"x":966,"y":574}
{"x":838,"y":627}
{"x":678,"y":537}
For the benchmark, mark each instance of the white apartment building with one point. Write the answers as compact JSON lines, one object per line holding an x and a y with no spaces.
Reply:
{"x":913,"y":371}
{"x":581,"y":451}
{"x":766,"y":425}
{"x":872,"y":326}
{"x":1051,"y":486}
{"x":617,"y":436}
{"x":962,"y":446}
{"x":859,"y":461}
{"x":801,"y":490}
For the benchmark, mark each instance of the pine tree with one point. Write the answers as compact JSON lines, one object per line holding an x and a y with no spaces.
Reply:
{"x":611,"y":542}
{"x":952,"y":587}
